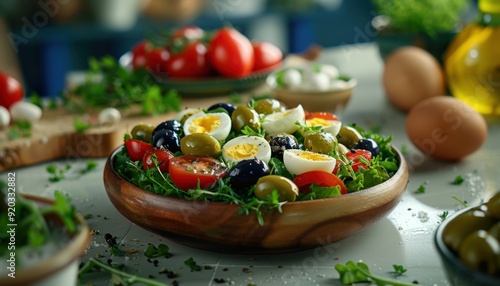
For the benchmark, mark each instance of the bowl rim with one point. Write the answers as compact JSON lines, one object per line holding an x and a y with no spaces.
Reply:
{"x":448,"y":257}
{"x":69,"y":253}
{"x":402,"y":170}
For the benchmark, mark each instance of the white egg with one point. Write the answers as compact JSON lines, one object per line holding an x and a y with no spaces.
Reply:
{"x":299,"y":161}
{"x":246,"y":147}
{"x":4,"y":117}
{"x":318,"y":82}
{"x":328,"y":126}
{"x":330,"y":70}
{"x":182,"y":115}
{"x":284,"y":121}
{"x":339,"y":84}
{"x":292,"y":78}
{"x":109,"y":115}
{"x":217,"y":124}
{"x":24,"y":110}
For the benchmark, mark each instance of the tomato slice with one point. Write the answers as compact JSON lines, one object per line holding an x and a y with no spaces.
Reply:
{"x":187,"y":171}
{"x":353,"y":156}
{"x":321,"y":114}
{"x":162,"y":155}
{"x":320,"y":178}
{"x":137,"y":148}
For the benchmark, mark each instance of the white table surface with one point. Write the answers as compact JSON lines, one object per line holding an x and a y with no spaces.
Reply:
{"x":405,"y":237}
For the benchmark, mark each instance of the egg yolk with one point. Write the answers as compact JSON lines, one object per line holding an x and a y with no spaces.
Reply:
{"x":313,"y":156}
{"x":204,"y":124}
{"x":318,"y":122}
{"x":241,"y":151}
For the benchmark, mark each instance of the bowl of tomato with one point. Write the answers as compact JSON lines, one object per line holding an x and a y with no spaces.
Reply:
{"x":197,"y":62}
{"x":254,"y":178}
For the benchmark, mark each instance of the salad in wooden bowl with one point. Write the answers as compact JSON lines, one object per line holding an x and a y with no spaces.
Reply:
{"x":255,"y":178}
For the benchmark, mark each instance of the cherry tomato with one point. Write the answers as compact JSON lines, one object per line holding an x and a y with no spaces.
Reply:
{"x":188,"y":171}
{"x":321,"y":114}
{"x":11,"y":91}
{"x":188,"y":32}
{"x":320,"y":178}
{"x":353,"y":156}
{"x":139,"y":54}
{"x":137,"y":148}
{"x":231,"y":53}
{"x":266,"y":55}
{"x":162,"y":155}
{"x":192,"y":61}
{"x":157,"y":60}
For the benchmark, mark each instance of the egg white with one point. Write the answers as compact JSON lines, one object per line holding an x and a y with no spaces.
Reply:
{"x":299,"y":161}
{"x":182,"y":115}
{"x":261,"y":149}
{"x":284,"y":122}
{"x":328,"y":126}
{"x":217,"y":124}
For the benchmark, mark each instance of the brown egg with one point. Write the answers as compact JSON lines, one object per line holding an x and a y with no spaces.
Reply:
{"x":411,"y":75}
{"x":446,"y":128}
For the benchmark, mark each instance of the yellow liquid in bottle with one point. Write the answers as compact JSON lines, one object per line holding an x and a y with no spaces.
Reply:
{"x":472,"y":66}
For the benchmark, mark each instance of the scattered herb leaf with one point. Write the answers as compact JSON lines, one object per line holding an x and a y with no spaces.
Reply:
{"x":443,"y":215}
{"x":458,"y":180}
{"x":420,"y":189}
{"x":353,"y":272}
{"x":192,"y":264}
{"x":460,"y":201}
{"x":81,"y":125}
{"x":399,"y":269}
{"x":56,"y":173}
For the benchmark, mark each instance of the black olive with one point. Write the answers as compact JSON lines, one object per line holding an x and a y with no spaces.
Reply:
{"x":167,"y":139}
{"x":244,"y":174}
{"x":228,"y":107}
{"x":281,"y":142}
{"x":369,"y":145}
{"x":173,"y":125}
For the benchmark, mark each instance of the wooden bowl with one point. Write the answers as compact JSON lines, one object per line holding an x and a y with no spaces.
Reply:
{"x":59,"y":269}
{"x":218,"y":227}
{"x":333,"y":100}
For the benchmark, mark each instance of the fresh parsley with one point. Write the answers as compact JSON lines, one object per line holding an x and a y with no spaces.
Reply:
{"x":460,"y":201}
{"x":153,"y":251}
{"x":458,"y":180}
{"x":443,"y":215}
{"x":420,"y":189}
{"x":353,"y":272}
{"x":399,"y":269}
{"x":192,"y":264}
{"x":57,"y":173}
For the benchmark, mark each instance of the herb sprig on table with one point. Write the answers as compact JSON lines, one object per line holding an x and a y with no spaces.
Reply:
{"x":108,"y":84}
{"x":353,"y":272}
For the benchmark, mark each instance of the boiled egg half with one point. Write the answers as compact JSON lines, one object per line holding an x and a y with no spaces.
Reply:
{"x":217,"y":124}
{"x":284,"y":122}
{"x":299,"y":161}
{"x":328,"y":126}
{"x":246,"y":147}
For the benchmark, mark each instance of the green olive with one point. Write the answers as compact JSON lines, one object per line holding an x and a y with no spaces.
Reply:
{"x":287,"y":190}
{"x":142,"y":132}
{"x":493,"y":206}
{"x":348,"y":136}
{"x":458,"y":228}
{"x":495,"y":231}
{"x":320,"y":142}
{"x":200,"y":144}
{"x":268,"y":106}
{"x":480,"y":251}
{"x":244,"y":115}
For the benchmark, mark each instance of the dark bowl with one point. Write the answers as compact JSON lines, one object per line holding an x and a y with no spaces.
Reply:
{"x":219,"y":227}
{"x":457,"y":272}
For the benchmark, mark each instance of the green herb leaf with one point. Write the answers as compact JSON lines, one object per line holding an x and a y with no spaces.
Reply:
{"x":192,"y":264}
{"x":153,"y":251}
{"x":353,"y":272}
{"x":399,"y":269}
{"x":420,"y":189}
{"x":80,"y":125}
{"x":443,"y":215}
{"x":458,"y":180}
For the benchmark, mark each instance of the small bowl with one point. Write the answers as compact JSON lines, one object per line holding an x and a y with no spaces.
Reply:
{"x":59,"y":269}
{"x":219,"y":227}
{"x":333,"y":100}
{"x":457,"y":272}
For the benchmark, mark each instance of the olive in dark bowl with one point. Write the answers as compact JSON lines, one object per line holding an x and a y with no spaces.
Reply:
{"x":468,"y":245}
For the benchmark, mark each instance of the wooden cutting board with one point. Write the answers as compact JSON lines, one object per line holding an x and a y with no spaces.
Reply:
{"x":54,"y":135}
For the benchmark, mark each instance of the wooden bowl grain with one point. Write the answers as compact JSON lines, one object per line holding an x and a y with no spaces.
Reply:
{"x":219,"y":227}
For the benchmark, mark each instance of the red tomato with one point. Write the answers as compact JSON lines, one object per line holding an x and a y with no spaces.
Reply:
{"x":139,"y":54}
{"x":188,"y":171}
{"x":11,"y":91}
{"x":231,"y":53}
{"x":137,"y":148}
{"x":321,"y":114}
{"x":353,"y":156}
{"x":266,"y":55}
{"x":189,"y":32}
{"x":162,"y":155}
{"x":157,"y":60}
{"x":320,"y":178}
{"x":192,"y":61}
